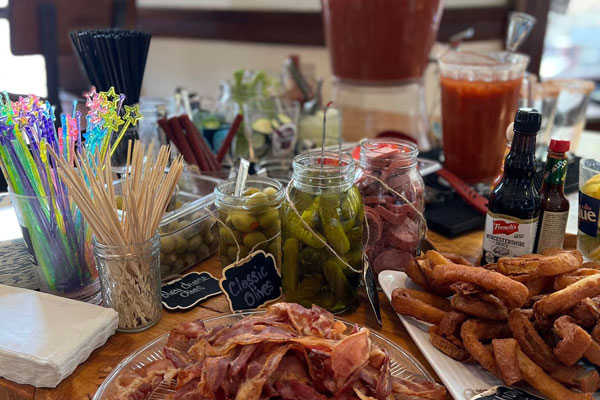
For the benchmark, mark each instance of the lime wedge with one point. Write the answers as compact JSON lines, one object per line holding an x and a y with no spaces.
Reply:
{"x":284,"y":119}
{"x":262,"y":125}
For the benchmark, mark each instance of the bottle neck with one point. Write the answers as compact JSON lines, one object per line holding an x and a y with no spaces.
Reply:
{"x":520,"y":162}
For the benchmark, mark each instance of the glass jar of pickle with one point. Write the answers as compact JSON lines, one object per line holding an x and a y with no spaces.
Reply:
{"x":322,"y":232}
{"x":393,"y":192}
{"x":251,"y":221}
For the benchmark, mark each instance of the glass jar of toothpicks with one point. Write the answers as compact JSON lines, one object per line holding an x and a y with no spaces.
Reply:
{"x":126,"y":243}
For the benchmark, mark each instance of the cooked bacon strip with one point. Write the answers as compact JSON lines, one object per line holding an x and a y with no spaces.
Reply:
{"x":419,"y":389}
{"x":350,"y":355}
{"x":258,"y":373}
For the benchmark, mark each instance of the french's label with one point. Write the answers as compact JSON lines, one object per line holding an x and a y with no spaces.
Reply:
{"x":506,"y":236}
{"x":588,"y":214}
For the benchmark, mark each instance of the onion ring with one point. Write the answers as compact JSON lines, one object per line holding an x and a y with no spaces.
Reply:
{"x":575,"y":341}
{"x":536,"y":377}
{"x":568,"y":297}
{"x":403,"y":303}
{"x":531,"y":342}
{"x":512,"y":293}
{"x":473,"y":331}
{"x":545,"y":265}
{"x":479,"y":308}
{"x":505,"y":355}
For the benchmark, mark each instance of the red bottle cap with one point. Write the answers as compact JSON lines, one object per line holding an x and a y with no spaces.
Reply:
{"x":559,"y":146}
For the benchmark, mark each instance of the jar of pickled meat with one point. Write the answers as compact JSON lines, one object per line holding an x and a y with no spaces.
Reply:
{"x":322,"y":232}
{"x":252,"y":221}
{"x":395,"y":220}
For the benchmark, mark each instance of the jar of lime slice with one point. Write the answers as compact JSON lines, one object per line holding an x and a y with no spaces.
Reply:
{"x":588,"y":236}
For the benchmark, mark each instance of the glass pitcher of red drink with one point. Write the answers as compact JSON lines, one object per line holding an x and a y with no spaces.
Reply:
{"x":480,"y":95}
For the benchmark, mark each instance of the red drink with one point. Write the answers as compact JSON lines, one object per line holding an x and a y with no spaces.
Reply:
{"x":475,"y":116}
{"x":480,"y":94}
{"x":380,"y":40}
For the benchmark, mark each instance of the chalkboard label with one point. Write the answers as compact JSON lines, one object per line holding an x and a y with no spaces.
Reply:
{"x":189,"y":290}
{"x":505,"y":393}
{"x":252,"y":282}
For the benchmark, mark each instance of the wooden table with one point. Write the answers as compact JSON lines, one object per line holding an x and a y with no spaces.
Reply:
{"x":84,"y":381}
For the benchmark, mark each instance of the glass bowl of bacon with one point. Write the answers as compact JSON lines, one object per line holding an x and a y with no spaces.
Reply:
{"x":285,"y":352}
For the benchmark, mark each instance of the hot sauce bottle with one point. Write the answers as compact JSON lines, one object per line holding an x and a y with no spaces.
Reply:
{"x":514,"y":204}
{"x":554,"y":206}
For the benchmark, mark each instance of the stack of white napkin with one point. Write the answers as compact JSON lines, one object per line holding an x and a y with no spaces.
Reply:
{"x":44,"y":337}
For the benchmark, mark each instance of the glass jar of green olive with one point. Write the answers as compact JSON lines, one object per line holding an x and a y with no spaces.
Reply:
{"x":253,"y":219}
{"x":327,"y":202}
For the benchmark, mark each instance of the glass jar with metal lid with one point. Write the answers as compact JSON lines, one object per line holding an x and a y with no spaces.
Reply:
{"x":251,"y":221}
{"x":322,"y":232}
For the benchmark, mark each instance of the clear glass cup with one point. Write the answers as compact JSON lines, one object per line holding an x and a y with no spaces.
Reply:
{"x":543,"y":96}
{"x":372,"y":110}
{"x":480,"y":95}
{"x":60,"y":247}
{"x":271,"y":127}
{"x":569,"y":119}
{"x":130,"y":281}
{"x":588,"y":235}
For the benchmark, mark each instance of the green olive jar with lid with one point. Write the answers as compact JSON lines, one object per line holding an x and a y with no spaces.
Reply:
{"x":252,"y":220}
{"x":322,"y":237}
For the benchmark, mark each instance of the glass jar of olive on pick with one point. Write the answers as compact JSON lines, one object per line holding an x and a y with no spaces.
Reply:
{"x":253,"y":219}
{"x":322,"y":232}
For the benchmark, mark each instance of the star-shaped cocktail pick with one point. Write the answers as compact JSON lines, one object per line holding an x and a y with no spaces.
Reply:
{"x":132,"y":114}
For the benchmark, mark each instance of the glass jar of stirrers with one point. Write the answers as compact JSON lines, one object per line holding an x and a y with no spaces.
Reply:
{"x":59,"y":244}
{"x":130,"y":282}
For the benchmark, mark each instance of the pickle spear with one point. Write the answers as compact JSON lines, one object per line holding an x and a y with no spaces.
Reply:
{"x":296,"y":228}
{"x":289,"y":269}
{"x":333,"y":229}
{"x":310,"y":215}
{"x":337,"y":280}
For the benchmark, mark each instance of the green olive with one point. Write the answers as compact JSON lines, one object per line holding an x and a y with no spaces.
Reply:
{"x":198,"y":215}
{"x":203,"y":252}
{"x":181,"y":245}
{"x":172,"y":259}
{"x":244,"y":222}
{"x":269,"y":191}
{"x":253,"y":238}
{"x":257,"y":202}
{"x":250,"y":191}
{"x":272,"y":230}
{"x":194,"y":242}
{"x":232,"y":252}
{"x":179,"y":265}
{"x":209,"y":234}
{"x":275,"y":247}
{"x":190,"y":259}
{"x":167,"y":244}
{"x":230,"y":235}
{"x":268,"y":218}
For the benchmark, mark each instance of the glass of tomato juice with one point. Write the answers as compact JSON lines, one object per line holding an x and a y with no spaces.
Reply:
{"x":480,"y":94}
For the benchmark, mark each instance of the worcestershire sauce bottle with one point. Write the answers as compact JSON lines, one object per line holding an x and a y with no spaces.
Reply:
{"x":514,"y":204}
{"x":554,"y":206}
